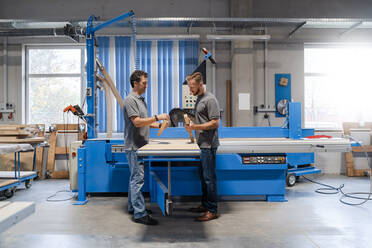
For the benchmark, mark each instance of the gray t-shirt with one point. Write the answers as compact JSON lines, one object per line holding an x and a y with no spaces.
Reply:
{"x":206,"y":109}
{"x":135,"y":137}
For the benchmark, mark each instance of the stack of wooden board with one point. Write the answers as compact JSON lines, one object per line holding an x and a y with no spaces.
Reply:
{"x":33,"y":133}
{"x":365,"y":148}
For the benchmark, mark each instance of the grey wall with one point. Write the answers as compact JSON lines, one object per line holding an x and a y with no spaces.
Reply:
{"x":281,"y":58}
{"x":14,"y":82}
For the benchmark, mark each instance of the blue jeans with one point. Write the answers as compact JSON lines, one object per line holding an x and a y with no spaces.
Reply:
{"x":136,"y":202}
{"x":208,"y":178}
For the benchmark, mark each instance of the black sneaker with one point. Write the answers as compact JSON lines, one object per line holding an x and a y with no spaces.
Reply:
{"x":148,"y":211}
{"x":146,"y":220}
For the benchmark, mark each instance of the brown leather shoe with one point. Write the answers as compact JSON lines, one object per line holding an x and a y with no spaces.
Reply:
{"x":200,"y":209}
{"x":207,"y":216}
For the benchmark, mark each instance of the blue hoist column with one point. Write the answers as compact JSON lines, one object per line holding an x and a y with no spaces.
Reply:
{"x":91,"y":60}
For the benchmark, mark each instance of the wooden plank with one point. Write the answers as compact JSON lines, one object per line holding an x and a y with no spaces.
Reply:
{"x":15,"y":140}
{"x":39,"y":162}
{"x":15,"y":212}
{"x":350,"y":172}
{"x":164,"y":125}
{"x":62,"y":150}
{"x":228,"y":103}
{"x":10,"y":174}
{"x":51,"y":152}
{"x":361,"y":148}
{"x":6,"y":182}
{"x":9,"y":127}
{"x":14,"y":132}
{"x":169,"y":144}
{"x":20,"y":126}
{"x":359,"y":173}
{"x":60,"y":175}
{"x":71,"y":127}
{"x":187,"y":122}
{"x":349,"y":157}
{"x":110,"y":83}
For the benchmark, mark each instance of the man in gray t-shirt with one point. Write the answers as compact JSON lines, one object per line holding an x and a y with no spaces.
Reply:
{"x":207,"y":114}
{"x":136,"y":135}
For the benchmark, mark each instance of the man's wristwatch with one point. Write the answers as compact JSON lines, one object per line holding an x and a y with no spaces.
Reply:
{"x":156,"y":117}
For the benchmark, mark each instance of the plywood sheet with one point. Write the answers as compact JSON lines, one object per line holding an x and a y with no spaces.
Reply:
{"x":15,"y":212}
{"x":10,"y":174}
{"x":13,"y":140}
{"x":6,"y":182}
{"x":14,"y":132}
{"x":169,"y":144}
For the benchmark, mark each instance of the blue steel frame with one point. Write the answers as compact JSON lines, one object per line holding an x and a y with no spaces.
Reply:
{"x":159,"y":190}
{"x":17,"y":171}
{"x":17,"y":167}
{"x":15,"y":184}
{"x":282,"y":92}
{"x":90,"y":41}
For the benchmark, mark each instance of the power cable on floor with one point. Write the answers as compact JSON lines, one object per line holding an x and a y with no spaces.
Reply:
{"x":49,"y":198}
{"x":344,"y":195}
{"x":353,"y":195}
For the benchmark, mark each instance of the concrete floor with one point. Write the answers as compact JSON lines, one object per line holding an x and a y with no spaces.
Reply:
{"x":308,"y":219}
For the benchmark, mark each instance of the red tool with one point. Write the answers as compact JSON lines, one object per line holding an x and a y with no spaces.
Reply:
{"x":70,"y":108}
{"x":209,"y":55}
{"x":319,"y":137}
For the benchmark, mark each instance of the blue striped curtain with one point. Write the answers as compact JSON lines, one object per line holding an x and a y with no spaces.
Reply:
{"x":188,"y":61}
{"x":165,"y":76}
{"x":122,"y":60}
{"x":103,"y":55}
{"x":143,"y":51}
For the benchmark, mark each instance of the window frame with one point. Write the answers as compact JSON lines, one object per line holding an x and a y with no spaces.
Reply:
{"x":27,"y":76}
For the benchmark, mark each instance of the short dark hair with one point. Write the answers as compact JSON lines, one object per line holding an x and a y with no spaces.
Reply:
{"x":197,"y":76}
{"x":136,"y":76}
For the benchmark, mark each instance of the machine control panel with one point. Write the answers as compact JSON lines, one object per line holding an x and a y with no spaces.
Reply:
{"x":188,"y":100}
{"x":264,"y":159}
{"x":117,"y":149}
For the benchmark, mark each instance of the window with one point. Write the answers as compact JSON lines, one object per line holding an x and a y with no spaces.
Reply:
{"x":338,"y":85}
{"x":54,"y":77}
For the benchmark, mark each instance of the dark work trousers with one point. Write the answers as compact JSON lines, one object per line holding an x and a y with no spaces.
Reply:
{"x":208,"y":178}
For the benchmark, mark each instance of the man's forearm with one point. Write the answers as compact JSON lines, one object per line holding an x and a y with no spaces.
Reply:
{"x":213,"y":124}
{"x":142,"y":122}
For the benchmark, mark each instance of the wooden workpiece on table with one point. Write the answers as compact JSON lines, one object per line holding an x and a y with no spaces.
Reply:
{"x":164,"y":125}
{"x":169,"y":144}
{"x":187,"y":122}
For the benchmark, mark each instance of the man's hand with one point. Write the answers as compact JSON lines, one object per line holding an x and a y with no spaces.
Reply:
{"x":155,"y":125}
{"x":163,"y":117}
{"x":190,"y":127}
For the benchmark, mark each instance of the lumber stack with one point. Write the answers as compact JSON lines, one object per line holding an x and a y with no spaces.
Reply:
{"x":33,"y":133}
{"x":349,"y":156}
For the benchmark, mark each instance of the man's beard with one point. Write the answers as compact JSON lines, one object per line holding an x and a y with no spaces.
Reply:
{"x":197,"y":93}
